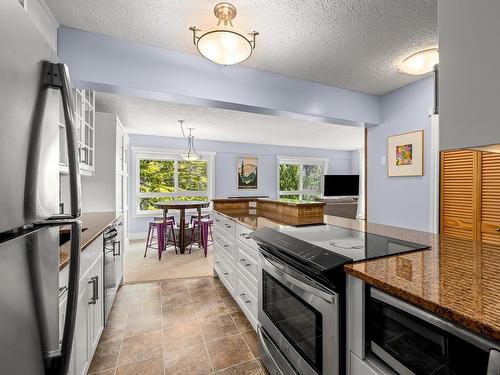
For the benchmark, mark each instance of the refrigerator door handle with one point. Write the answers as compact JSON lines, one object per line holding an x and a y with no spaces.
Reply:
{"x":59,"y":365}
{"x":72,"y":301}
{"x":58,"y":78}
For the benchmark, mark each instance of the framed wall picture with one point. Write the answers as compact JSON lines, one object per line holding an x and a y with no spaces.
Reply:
{"x":405,"y":154}
{"x":247,"y":171}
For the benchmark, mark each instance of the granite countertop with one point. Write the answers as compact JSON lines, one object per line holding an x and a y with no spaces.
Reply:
{"x":96,"y":223}
{"x":255,"y":218}
{"x":456,"y":279}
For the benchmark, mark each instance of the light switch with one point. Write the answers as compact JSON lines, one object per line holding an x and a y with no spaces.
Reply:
{"x":383,"y":160}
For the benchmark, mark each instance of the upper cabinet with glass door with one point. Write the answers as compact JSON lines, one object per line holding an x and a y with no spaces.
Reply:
{"x":84,"y":107}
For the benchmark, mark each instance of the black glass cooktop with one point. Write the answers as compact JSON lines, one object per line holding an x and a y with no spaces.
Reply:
{"x":329,"y":246}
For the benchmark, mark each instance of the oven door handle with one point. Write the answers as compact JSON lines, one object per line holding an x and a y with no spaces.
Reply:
{"x":308,"y":286}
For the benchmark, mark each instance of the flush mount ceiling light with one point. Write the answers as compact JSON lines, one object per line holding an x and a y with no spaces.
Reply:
{"x":224,"y":44}
{"x":190,"y":153}
{"x":421,"y":62}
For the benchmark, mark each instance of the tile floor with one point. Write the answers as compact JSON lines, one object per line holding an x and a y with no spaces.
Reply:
{"x":181,"y":326}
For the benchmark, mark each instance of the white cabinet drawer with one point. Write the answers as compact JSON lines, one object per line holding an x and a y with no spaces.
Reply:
{"x":224,"y":223}
{"x":246,"y":260}
{"x":247,"y":298}
{"x":226,"y":272}
{"x":218,"y":220}
{"x":90,"y":254}
{"x":223,"y":243}
{"x":243,"y":234}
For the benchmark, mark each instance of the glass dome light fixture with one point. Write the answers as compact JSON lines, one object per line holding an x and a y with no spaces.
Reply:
{"x":420,"y":62}
{"x":224,"y":44}
{"x":190,"y":154}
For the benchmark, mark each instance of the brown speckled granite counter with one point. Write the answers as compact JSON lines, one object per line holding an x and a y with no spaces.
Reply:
{"x":255,"y":218}
{"x":456,"y":279}
{"x":95,"y":222}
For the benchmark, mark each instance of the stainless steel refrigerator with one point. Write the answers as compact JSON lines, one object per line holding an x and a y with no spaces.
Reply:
{"x":32,"y":84}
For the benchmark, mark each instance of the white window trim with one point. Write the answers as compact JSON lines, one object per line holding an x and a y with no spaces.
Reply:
{"x":139,"y":153}
{"x":283,"y":159}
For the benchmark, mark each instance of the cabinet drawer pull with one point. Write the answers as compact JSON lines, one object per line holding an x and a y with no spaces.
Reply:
{"x":246,"y":236}
{"x":244,"y":261}
{"x":217,"y":239}
{"x":95,"y":290}
{"x":222,"y":269}
{"x":227,"y":226}
{"x":242,"y":295}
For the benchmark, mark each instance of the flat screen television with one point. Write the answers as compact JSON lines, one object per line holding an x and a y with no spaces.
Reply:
{"x":341,"y":185}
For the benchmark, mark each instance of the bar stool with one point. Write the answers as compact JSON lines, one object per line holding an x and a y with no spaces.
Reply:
{"x":158,"y":226}
{"x":205,"y":225}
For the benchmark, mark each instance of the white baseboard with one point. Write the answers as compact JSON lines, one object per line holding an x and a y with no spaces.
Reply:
{"x":137,"y":236}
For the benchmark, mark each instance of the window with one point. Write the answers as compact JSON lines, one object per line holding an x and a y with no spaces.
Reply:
{"x":163,"y":176}
{"x":300,"y":179}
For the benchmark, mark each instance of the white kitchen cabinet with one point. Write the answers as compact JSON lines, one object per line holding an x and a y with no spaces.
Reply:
{"x":81,"y":343}
{"x":236,"y":263}
{"x":90,"y":309}
{"x":84,"y":120}
{"x":107,"y":188}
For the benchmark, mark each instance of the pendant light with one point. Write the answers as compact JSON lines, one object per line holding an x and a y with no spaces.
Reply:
{"x":224,"y":44}
{"x":421,"y":62}
{"x":190,"y":154}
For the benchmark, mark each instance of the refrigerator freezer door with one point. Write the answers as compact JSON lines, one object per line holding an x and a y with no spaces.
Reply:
{"x":29,"y":141}
{"x":30,"y":299}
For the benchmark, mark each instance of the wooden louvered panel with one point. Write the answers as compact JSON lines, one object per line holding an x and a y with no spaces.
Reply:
{"x":490,"y":197}
{"x":460,"y":176}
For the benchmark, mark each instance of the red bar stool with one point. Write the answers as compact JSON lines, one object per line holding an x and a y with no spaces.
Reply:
{"x":206,"y":227}
{"x":159,"y":226}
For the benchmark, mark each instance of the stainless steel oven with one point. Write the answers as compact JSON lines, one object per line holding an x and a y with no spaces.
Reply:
{"x":299,"y":319}
{"x":112,"y":263}
{"x":413,"y":341}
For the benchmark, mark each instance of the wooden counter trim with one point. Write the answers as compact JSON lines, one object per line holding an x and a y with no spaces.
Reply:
{"x":292,"y":209}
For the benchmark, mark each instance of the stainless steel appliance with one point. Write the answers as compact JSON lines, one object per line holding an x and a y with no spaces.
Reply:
{"x":302,"y":294}
{"x":112,"y":263}
{"x":30,"y":93}
{"x":413,"y":341}
{"x":300,"y":317}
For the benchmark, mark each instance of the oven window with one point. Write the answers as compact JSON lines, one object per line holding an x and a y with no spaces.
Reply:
{"x":299,"y":322}
{"x":400,"y":339}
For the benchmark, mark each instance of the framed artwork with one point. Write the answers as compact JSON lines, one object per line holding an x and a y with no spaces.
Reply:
{"x":405,"y":154}
{"x":247,"y":172}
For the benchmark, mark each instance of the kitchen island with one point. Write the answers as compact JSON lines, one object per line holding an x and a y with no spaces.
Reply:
{"x":456,"y":279}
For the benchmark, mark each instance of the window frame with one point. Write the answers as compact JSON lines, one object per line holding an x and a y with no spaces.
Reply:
{"x":301,"y":161}
{"x":141,"y":153}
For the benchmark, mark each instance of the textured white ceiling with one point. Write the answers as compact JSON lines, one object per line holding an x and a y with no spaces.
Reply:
{"x":354,"y":44}
{"x":155,"y":117}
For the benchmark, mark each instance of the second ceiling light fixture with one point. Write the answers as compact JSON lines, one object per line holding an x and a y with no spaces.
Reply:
{"x":190,"y":153}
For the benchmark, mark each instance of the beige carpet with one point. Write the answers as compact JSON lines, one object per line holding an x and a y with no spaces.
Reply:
{"x":136,"y":268}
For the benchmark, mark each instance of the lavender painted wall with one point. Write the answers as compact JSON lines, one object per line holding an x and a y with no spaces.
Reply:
{"x":225,"y":166}
{"x":400,"y":201}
